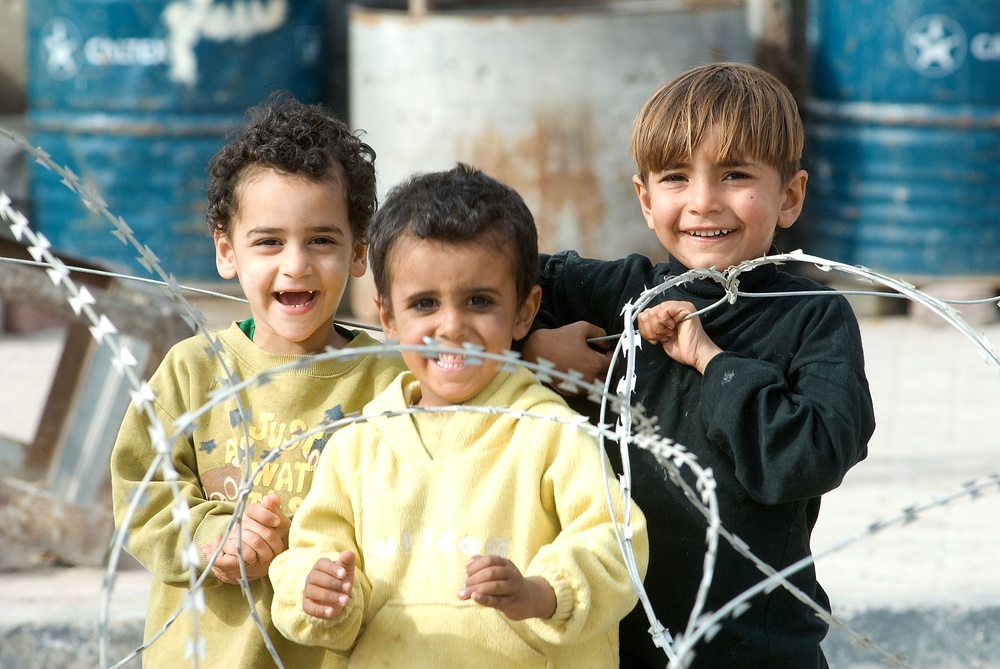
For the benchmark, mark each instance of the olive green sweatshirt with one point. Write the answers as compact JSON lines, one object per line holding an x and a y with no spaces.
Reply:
{"x":208,"y":462}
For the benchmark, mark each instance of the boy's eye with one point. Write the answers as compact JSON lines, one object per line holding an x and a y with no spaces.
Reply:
{"x":480,"y":301}
{"x":267,"y":241}
{"x":674,"y":177}
{"x":735,"y":176}
{"x":425,"y":304}
{"x":319,"y":241}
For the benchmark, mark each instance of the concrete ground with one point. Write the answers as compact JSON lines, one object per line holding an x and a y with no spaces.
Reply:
{"x":928,"y":590}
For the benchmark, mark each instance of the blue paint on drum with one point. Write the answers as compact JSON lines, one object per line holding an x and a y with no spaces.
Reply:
{"x":903,"y":135}
{"x":136,"y":97}
{"x":153,"y":173}
{"x":172,"y":55}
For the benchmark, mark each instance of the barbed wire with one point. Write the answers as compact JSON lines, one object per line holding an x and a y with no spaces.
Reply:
{"x":631,"y":428}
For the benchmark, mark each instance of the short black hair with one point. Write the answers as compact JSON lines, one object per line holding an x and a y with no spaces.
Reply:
{"x":293,"y":138}
{"x":462,"y":204}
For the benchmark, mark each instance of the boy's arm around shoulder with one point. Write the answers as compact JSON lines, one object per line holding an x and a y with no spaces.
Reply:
{"x":323,"y":527}
{"x":581,"y":299}
{"x":585,"y":289}
{"x":584,"y":564}
{"x":795,"y":429}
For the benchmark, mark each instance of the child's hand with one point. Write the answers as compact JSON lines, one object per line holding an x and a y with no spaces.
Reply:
{"x":265,"y":531}
{"x":226,"y":567}
{"x":495,"y":582}
{"x":264,"y":535}
{"x":683,"y":340}
{"x":567,"y":347}
{"x":328,"y":586}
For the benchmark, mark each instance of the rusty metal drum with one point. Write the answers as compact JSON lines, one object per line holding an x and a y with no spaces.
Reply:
{"x":541,"y":99}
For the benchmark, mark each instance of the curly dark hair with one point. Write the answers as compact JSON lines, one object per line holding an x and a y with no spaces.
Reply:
{"x":292,"y":137}
{"x":459,"y":205}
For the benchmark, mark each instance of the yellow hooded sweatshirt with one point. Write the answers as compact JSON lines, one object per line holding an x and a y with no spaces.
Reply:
{"x":415,"y":510}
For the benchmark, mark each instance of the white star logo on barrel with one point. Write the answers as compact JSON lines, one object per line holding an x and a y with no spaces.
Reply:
{"x":61,"y":40}
{"x":935,"y":45}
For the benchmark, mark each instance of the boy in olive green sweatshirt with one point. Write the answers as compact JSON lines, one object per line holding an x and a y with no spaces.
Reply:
{"x":290,"y":199}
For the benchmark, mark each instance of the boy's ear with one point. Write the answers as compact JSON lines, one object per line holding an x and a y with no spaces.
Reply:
{"x":526,"y":313}
{"x":795,"y":195}
{"x":643,"y":194}
{"x":359,"y":263}
{"x":385,"y":317}
{"x":225,"y":260}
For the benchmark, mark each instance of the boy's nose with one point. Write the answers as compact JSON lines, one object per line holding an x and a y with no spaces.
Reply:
{"x":296,"y":262}
{"x":704,"y":197}
{"x":451,"y":324}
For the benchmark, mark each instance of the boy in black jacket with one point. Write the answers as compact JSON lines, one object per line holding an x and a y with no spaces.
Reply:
{"x":768,"y":392}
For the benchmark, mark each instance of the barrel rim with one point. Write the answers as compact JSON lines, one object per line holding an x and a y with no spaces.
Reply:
{"x":969,"y":116}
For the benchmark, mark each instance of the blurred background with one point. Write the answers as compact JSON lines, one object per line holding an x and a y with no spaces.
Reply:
{"x":135,"y":97}
{"x":901,"y":99}
{"x":901,"y":104}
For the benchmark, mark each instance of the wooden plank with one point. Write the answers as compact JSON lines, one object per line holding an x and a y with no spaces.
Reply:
{"x":76,"y":534}
{"x":132,"y":313}
{"x":35,"y":515}
{"x":69,"y":373}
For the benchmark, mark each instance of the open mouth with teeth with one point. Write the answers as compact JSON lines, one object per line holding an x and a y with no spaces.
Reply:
{"x":449,"y":361}
{"x":299,"y":298}
{"x":708,"y":234}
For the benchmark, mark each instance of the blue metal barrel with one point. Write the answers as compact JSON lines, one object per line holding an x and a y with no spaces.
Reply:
{"x":171,"y":55}
{"x":903,"y":136}
{"x":152,"y":170}
{"x":136,"y":96}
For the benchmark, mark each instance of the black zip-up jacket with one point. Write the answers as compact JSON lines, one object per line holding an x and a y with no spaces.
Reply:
{"x":779,"y":417}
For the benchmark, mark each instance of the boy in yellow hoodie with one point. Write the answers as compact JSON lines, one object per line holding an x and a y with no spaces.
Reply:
{"x":459,"y":537}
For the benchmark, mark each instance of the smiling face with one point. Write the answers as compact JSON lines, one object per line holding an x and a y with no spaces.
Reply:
{"x":454,"y":293}
{"x":713,"y":213}
{"x":292,"y":249}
